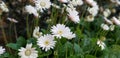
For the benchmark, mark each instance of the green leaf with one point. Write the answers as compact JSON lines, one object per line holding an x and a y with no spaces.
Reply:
{"x":89,"y":56}
{"x":76,"y":56}
{"x":43,"y":31}
{"x":79,"y":33}
{"x":68,"y":44}
{"x":45,"y":53}
{"x":66,"y":48}
{"x":77,"y":49}
{"x":13,"y":46}
{"x":1,"y":56}
{"x":21,"y":41}
{"x":32,"y":40}
{"x":6,"y":54}
{"x":112,"y":52}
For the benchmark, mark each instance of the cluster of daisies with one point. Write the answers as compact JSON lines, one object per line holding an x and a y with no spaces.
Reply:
{"x":46,"y":41}
{"x":59,"y":31}
{"x":70,"y":6}
{"x":42,"y":5}
{"x":73,"y":14}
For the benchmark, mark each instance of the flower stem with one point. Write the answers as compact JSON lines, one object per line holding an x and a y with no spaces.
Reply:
{"x":66,"y":51}
{"x":4,"y":35}
{"x":27,"y":27}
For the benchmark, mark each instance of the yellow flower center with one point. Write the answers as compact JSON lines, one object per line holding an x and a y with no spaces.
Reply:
{"x":37,"y":33}
{"x":28,"y":52}
{"x":46,"y":42}
{"x":42,"y":4}
{"x":60,"y":32}
{"x":91,"y":16}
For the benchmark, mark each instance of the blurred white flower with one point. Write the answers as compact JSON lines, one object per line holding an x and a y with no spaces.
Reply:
{"x":12,"y":20}
{"x":116,"y":21}
{"x":64,"y":1}
{"x":56,"y":6}
{"x":70,"y":35}
{"x":73,"y":15}
{"x":91,"y":2}
{"x":115,"y":1}
{"x":104,"y":26}
{"x":31,"y":10}
{"x":70,"y":6}
{"x":108,"y":21}
{"x":46,"y":42}
{"x":2,"y":50}
{"x":76,"y":2}
{"x":107,"y":12}
{"x":93,"y":10}
{"x":118,"y":2}
{"x":89,"y":18}
{"x":112,"y":27}
{"x":119,"y":17}
{"x":28,"y":52}
{"x":36,"y":32}
{"x":42,"y":5}
{"x":3,"y":7}
{"x":101,"y":44}
{"x":61,"y":30}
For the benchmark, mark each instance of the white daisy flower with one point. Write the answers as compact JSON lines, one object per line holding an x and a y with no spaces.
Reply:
{"x":107,"y":12}
{"x":28,"y":52}
{"x":31,"y":10}
{"x":101,"y":44}
{"x":46,"y":42}
{"x":112,"y":27}
{"x":36,"y":32}
{"x":61,"y":30}
{"x":70,"y":35}
{"x":73,"y":15}
{"x":89,"y":18}
{"x":2,"y":50}
{"x":42,"y":5}
{"x":116,"y":21}
{"x":93,"y":11}
{"x":76,"y":2}
{"x":105,"y":26}
{"x":3,"y":7}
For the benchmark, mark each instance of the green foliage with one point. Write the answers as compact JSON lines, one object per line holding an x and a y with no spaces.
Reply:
{"x":15,"y":46}
{"x":77,"y":49}
{"x":89,"y":56}
{"x":112,"y":52}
